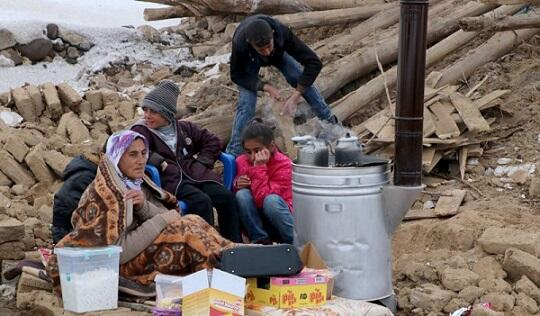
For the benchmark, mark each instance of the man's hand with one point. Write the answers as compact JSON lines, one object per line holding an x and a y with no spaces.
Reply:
{"x":262,"y":157}
{"x":290,"y":105}
{"x":137,"y":197}
{"x":243,"y":182}
{"x":273,"y":92}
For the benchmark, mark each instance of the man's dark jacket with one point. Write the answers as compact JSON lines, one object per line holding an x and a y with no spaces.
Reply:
{"x":77,"y":176}
{"x":243,"y":56}
{"x":196,"y":151}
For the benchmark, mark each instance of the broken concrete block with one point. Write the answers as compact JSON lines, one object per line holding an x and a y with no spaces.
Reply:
{"x":31,"y":137}
{"x":14,"y":171}
{"x":495,"y":285}
{"x":43,"y":231}
{"x":496,"y":240}
{"x":110,"y":97}
{"x":19,"y":189}
{"x":525,"y":285}
{"x":7,"y":39}
{"x":12,"y":250}
{"x":127,"y":109}
{"x":37,"y":165}
{"x":5,"y":203}
{"x":430,"y":297}
{"x":45,"y":213}
{"x":85,"y":108}
{"x":455,"y":304}
{"x":52,"y":100}
{"x":41,"y":201}
{"x":499,"y":302}
{"x":95,"y":98}
{"x":481,"y":311}
{"x":71,"y":126}
{"x":25,"y":105}
{"x":11,"y":230}
{"x":37,"y":98}
{"x":518,"y":263}
{"x":471,"y":293}
{"x":57,"y":162}
{"x":69,"y":96}
{"x":527,"y":302}
{"x":15,"y":147}
{"x":489,"y":268}
{"x":29,"y":239}
{"x":4,"y":180}
{"x":458,"y":279}
{"x":534,"y":188}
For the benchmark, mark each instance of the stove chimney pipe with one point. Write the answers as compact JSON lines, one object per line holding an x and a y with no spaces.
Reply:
{"x":410,"y":92}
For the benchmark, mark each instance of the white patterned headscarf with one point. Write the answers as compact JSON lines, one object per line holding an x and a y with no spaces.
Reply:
{"x":117,"y":145}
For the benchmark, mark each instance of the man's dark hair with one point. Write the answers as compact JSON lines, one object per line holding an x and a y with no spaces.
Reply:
{"x":259,"y":33}
{"x":259,"y":131}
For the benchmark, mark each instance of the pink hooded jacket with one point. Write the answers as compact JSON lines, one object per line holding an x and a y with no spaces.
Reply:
{"x":273,"y":178}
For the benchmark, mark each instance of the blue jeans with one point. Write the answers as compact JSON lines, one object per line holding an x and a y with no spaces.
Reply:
{"x":245,"y":108}
{"x":273,"y":221}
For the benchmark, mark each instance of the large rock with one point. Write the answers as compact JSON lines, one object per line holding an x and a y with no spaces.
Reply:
{"x":496,"y":240}
{"x":499,"y":302}
{"x":518,"y":263}
{"x":127,"y":109}
{"x":25,"y":105}
{"x":7,"y":39}
{"x":54,"y":106}
{"x":37,"y":49}
{"x":489,"y":268}
{"x":149,"y":33}
{"x":495,"y":285}
{"x":52,"y":31}
{"x":534,"y":187}
{"x":15,"y":147}
{"x":37,"y":165}
{"x":458,"y":279}
{"x":11,"y":230}
{"x":69,"y":96}
{"x":110,"y":98}
{"x":12,"y":55}
{"x":12,"y":250}
{"x":37,"y":98}
{"x":525,"y":285}
{"x":75,"y":39}
{"x":57,"y":162}
{"x":43,"y":231}
{"x":471,"y":293}
{"x":95,"y":98}
{"x":455,"y":304}
{"x":5,"y":203}
{"x":430,"y":297}
{"x":481,"y":311}
{"x":14,"y":171}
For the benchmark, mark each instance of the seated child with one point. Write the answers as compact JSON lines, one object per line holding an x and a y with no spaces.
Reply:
{"x":264,"y":187}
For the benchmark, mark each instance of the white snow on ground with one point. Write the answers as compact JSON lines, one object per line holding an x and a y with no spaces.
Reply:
{"x":100,"y":20}
{"x":106,"y":13}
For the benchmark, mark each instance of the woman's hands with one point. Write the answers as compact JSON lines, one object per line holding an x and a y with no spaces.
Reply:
{"x":137,"y":197}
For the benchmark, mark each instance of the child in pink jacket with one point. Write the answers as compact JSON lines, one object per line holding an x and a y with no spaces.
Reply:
{"x":264,"y":187}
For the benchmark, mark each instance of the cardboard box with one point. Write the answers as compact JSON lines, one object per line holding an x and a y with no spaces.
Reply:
{"x":212,"y":293}
{"x":312,"y":287}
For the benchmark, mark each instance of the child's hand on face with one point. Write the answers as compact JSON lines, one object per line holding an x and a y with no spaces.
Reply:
{"x":262,"y":157}
{"x":243,"y":182}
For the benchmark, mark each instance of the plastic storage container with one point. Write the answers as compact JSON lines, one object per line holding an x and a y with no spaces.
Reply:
{"x":89,"y":277}
{"x":168,"y":295}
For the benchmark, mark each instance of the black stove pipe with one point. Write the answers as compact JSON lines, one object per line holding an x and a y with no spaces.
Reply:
{"x":410,"y":92}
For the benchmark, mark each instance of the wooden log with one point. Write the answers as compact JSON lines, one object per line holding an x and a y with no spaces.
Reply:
{"x":486,"y":23}
{"x":498,"y":45}
{"x":154,"y":14}
{"x":331,"y":17}
{"x":226,"y":7}
{"x":510,"y":2}
{"x":359,"y":98}
{"x":339,"y":73}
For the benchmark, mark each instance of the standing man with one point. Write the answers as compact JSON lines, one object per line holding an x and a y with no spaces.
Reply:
{"x":262,"y":41}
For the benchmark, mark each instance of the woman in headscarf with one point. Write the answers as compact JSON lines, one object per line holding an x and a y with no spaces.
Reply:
{"x":122,"y":206}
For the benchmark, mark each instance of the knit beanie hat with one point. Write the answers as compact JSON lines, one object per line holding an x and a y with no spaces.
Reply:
{"x":259,"y":33}
{"x":162,"y":99}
